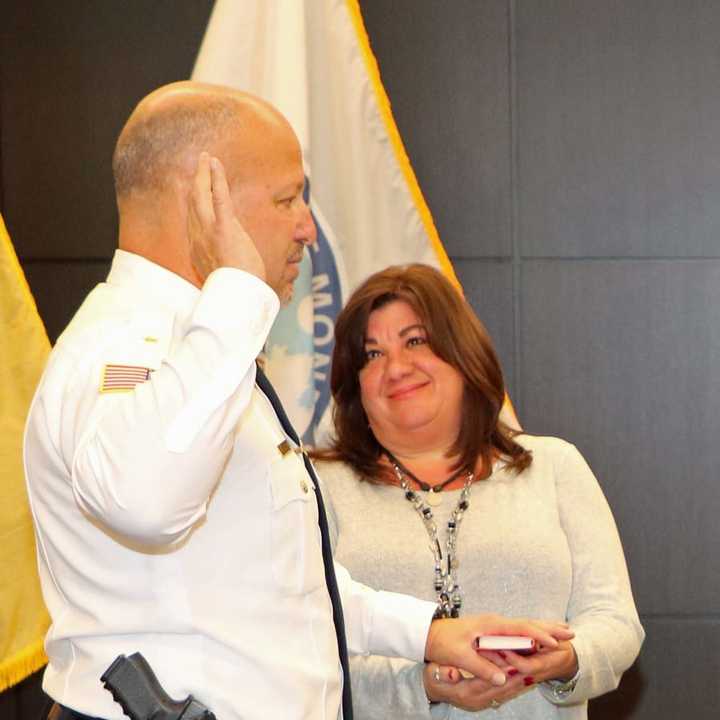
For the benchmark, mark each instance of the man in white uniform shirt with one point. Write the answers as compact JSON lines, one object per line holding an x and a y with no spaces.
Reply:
{"x":170,"y":517}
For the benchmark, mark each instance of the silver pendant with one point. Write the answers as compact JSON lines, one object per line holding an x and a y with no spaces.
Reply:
{"x":433,"y":498}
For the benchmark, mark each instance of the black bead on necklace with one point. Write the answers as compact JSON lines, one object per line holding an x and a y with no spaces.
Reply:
{"x":423,"y":485}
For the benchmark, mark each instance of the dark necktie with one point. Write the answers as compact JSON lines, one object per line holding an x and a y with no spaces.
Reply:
{"x":264,"y":384}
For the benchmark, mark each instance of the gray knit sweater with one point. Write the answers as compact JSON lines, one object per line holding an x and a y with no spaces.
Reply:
{"x":541,"y":544}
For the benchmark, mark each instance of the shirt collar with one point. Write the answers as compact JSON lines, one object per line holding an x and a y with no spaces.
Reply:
{"x":147,"y":277}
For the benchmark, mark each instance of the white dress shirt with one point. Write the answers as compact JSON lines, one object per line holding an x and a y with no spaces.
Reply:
{"x":169,"y":522}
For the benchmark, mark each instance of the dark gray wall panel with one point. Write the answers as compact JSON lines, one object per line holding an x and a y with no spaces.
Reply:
{"x":622,"y":359}
{"x":447,"y":76}
{"x":674,"y":648}
{"x":488,"y":287}
{"x":70,"y":77}
{"x":617,"y":128}
{"x":60,"y":287}
{"x":628,"y":700}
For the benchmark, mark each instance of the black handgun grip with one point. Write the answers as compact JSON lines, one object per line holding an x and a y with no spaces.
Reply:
{"x":136,"y":689}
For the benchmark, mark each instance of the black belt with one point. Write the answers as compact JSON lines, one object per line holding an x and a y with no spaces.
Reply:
{"x":60,"y":712}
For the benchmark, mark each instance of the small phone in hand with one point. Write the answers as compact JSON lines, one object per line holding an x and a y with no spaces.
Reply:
{"x":519,"y":644}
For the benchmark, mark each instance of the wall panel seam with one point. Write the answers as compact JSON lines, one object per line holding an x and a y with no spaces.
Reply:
{"x":35,"y":260}
{"x":619,"y":259}
{"x":514,"y":210}
{"x":682,"y":617}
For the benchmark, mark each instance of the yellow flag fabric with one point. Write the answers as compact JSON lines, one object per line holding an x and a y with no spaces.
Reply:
{"x":23,"y":350}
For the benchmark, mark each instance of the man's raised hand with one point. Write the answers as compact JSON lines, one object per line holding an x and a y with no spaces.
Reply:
{"x":215,"y":235}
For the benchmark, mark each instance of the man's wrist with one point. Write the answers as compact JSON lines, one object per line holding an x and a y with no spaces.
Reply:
{"x":433,"y":629}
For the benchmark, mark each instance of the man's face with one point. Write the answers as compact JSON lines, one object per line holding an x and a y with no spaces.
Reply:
{"x":268,"y":200}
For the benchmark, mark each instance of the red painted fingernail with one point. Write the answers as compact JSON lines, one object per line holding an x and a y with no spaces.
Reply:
{"x":512,"y":672}
{"x":501,"y":654}
{"x":529,"y":680}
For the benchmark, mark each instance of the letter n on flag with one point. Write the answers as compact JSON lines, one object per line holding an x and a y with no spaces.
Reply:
{"x":312,"y":60}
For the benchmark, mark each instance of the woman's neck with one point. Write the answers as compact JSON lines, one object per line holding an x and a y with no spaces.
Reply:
{"x":424,"y":444}
{"x":432,"y":465}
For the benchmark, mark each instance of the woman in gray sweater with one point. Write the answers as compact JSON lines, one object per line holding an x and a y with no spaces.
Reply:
{"x":433,"y":495}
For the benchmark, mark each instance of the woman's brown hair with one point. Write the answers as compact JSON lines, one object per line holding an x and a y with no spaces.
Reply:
{"x":455,"y":335}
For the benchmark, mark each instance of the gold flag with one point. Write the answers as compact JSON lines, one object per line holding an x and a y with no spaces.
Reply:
{"x":24,"y":348}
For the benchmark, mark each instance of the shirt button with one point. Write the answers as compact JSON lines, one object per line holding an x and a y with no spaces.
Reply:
{"x":304,"y":486}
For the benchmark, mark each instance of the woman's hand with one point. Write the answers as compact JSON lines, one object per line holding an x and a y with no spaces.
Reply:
{"x":451,"y":642}
{"x":447,"y":684}
{"x":558,"y":663}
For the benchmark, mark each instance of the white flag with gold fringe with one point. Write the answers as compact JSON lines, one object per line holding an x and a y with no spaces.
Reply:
{"x":313,"y":61}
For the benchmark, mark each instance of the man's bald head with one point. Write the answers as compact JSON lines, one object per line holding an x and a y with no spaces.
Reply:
{"x":170,"y":127}
{"x":164,"y":190}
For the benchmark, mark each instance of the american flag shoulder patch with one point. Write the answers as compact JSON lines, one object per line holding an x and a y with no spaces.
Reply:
{"x":122,"y":378}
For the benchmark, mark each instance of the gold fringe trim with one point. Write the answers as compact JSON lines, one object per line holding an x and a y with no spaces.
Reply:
{"x":404,"y":161}
{"x":397,"y":143}
{"x":21,"y":665}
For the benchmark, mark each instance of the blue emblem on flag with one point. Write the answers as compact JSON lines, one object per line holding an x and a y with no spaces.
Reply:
{"x":327,"y":301}
{"x":300,"y":345}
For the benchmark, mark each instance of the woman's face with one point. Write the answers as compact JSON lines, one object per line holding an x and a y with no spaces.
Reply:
{"x":404,"y":386}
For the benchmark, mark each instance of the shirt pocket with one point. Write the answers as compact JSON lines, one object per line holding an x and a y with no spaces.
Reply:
{"x":296,"y":552}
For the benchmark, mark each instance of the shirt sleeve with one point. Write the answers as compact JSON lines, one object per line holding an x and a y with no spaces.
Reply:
{"x":383,"y":623}
{"x":144,"y":463}
{"x":379,"y":622}
{"x":601,"y":610}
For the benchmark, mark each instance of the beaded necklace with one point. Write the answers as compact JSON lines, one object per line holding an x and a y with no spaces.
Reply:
{"x":447,"y":589}
{"x":433,"y":496}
